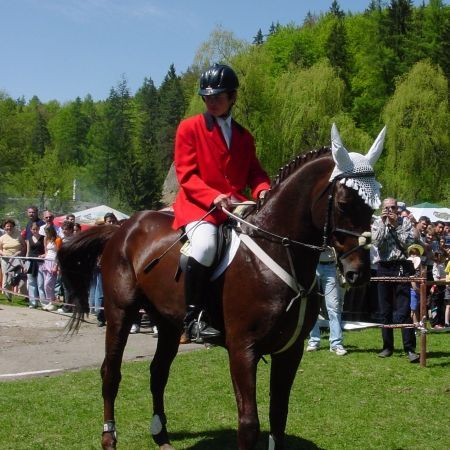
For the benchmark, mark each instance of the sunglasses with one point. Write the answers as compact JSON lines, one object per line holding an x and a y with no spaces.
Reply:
{"x":49,"y":217}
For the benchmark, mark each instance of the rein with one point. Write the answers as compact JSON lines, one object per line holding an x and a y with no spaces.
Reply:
{"x":284,"y":240}
{"x":364,"y":239}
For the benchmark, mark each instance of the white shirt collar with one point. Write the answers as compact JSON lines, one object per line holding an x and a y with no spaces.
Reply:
{"x":221,"y":121}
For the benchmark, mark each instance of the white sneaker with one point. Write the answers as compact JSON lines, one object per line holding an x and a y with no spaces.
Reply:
{"x":135,"y":329}
{"x":312,"y":347}
{"x":339,"y":350}
{"x":50,"y":307}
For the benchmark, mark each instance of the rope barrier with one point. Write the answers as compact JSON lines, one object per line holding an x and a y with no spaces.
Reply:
{"x":420,"y":326}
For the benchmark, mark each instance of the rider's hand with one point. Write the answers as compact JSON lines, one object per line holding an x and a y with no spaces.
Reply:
{"x":222,"y":201}
{"x":262,"y":194}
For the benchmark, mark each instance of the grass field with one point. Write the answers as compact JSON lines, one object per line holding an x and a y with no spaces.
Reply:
{"x":358,"y":401}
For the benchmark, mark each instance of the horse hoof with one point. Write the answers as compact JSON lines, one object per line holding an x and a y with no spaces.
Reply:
{"x":166,"y":447}
{"x":108,"y":442}
{"x":184,"y":339}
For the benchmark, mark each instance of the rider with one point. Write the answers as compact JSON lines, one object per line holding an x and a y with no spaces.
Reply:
{"x":215,"y":160}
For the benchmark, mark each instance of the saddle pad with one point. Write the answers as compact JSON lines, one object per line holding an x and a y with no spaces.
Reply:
{"x":230,"y":253}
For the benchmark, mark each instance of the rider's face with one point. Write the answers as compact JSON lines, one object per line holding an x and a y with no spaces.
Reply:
{"x":219,"y":105}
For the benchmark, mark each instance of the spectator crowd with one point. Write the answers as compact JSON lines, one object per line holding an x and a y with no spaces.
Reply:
{"x":402,"y":246}
{"x":29,"y":260}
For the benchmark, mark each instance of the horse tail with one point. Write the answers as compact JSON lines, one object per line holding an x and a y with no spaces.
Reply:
{"x":78,"y":258}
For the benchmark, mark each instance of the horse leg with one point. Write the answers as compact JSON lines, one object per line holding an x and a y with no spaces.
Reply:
{"x":282,"y":374}
{"x":166,"y":350}
{"x":243,"y":364}
{"x":117,"y":330}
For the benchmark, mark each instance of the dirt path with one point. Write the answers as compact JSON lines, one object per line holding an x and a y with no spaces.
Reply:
{"x":34,"y":343}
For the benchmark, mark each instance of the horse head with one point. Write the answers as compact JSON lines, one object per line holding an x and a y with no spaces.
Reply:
{"x":354,"y":194}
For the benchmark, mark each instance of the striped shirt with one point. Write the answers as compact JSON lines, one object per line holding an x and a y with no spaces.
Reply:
{"x":382,"y":238}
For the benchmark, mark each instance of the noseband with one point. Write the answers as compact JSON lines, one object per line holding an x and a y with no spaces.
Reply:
{"x":364,"y":239}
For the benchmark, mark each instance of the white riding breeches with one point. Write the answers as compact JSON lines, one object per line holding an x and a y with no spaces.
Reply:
{"x":203,"y":238}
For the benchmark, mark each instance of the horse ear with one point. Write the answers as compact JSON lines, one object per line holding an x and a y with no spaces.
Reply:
{"x":340,"y":153}
{"x":377,"y":147}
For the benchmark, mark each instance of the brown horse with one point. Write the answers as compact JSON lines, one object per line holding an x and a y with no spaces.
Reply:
{"x":302,"y":213}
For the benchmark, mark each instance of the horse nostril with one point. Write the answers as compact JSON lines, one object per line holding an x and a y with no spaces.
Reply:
{"x":351,"y":277}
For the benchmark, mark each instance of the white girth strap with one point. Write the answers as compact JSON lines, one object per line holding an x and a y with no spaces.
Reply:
{"x":269,"y":262}
{"x":288,"y":279}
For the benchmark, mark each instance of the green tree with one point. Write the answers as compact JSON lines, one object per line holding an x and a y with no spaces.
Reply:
{"x":373,"y":65}
{"x":40,"y":136}
{"x":396,"y":31}
{"x":274,"y":28}
{"x":259,"y":38}
{"x":69,"y":130}
{"x":336,"y":10}
{"x":146,"y":174}
{"x":14,"y":136}
{"x":52,"y":186}
{"x":220,"y":47}
{"x":430,"y":35}
{"x":337,"y":49}
{"x":305,"y":103}
{"x":172,"y":108}
{"x":111,"y":142}
{"x":417,"y":117}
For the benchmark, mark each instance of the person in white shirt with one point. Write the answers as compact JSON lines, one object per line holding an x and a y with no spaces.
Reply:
{"x":48,"y":219}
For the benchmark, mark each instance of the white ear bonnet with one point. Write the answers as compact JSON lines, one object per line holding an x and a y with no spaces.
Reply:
{"x":354,"y":163}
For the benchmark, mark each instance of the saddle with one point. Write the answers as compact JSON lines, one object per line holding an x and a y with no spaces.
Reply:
{"x":224,"y":240}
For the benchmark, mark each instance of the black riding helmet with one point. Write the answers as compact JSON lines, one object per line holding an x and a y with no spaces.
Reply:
{"x":218,"y":78}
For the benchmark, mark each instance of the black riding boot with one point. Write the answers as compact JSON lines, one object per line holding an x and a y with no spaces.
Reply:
{"x":196,"y":284}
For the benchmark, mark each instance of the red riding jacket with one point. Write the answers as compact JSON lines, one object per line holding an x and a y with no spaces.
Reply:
{"x":205,"y":168}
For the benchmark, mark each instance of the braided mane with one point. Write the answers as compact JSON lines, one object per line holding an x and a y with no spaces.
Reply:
{"x":299,"y":161}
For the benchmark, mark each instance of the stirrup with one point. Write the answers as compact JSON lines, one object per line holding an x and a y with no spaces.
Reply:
{"x":198,"y":329}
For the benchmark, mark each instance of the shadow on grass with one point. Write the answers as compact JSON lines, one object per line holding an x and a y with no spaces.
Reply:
{"x":227,"y":439}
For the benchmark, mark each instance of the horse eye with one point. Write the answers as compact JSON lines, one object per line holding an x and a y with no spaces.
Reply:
{"x":343,"y":206}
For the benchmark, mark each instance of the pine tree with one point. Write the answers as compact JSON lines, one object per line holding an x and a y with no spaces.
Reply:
{"x":69,"y":133}
{"x":337,"y":48}
{"x":112,"y":143}
{"x":336,"y":10}
{"x":259,"y":38}
{"x":397,"y":27}
{"x":172,"y":109}
{"x":274,"y":28}
{"x":148,"y":171}
{"x":40,"y":136}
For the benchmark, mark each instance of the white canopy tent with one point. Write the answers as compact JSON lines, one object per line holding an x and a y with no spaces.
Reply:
{"x":433,"y":213}
{"x":91,"y":216}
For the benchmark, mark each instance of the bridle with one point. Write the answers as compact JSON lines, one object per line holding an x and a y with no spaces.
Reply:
{"x":364,"y":239}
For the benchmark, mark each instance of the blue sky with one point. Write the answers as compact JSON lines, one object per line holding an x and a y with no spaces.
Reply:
{"x":61,"y":49}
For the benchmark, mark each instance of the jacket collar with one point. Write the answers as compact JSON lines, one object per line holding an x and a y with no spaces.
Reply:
{"x":210,"y":120}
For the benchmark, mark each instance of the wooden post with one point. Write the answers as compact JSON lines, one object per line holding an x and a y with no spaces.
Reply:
{"x":423,"y":315}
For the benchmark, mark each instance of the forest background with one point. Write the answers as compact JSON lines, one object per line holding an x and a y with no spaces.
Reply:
{"x":389,"y":65}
